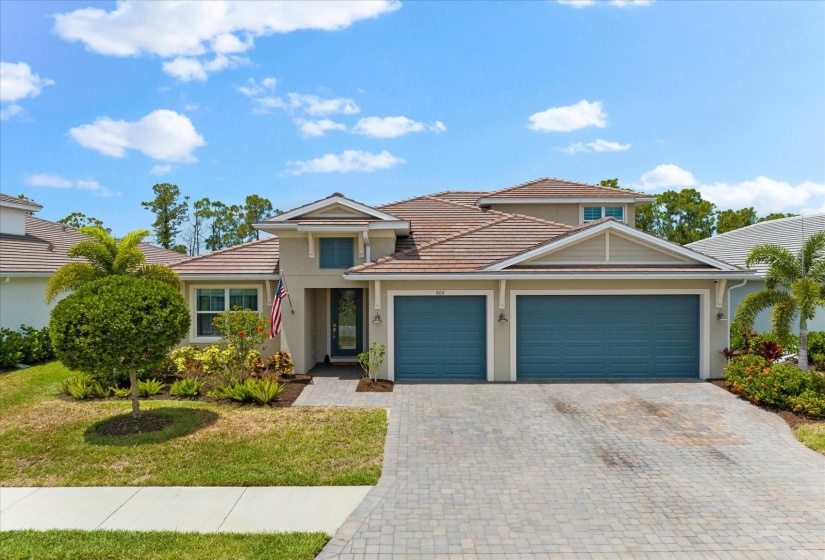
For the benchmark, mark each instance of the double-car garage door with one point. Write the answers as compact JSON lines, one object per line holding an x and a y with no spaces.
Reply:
{"x":570,"y":336}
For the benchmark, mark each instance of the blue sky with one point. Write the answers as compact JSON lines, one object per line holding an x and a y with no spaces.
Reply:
{"x":383,"y":101}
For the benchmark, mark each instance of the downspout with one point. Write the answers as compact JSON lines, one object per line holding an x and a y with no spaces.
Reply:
{"x":730,"y":321}
{"x":366,"y":237}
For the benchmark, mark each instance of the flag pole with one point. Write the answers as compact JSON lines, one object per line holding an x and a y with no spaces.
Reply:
{"x":286,"y":288}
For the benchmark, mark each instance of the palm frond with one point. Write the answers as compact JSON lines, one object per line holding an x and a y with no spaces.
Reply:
{"x":807,"y":295}
{"x":101,"y":236}
{"x":813,"y":250}
{"x":753,"y":304}
{"x":782,"y":264}
{"x":782,"y":317}
{"x":98,"y":254}
{"x":128,"y":260}
{"x":161,"y":273}
{"x":132,"y":239}
{"x":817,"y":272}
{"x":70,"y":277}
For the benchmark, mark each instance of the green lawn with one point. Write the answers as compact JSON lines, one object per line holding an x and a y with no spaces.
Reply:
{"x":158,"y":545}
{"x":46,"y":441}
{"x":812,"y":435}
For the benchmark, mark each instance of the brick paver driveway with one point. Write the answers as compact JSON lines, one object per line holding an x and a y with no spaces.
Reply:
{"x":654,"y":470}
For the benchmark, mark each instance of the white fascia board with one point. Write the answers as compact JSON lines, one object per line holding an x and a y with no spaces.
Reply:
{"x":330,"y":227}
{"x":331,"y":201}
{"x":559,"y":200}
{"x":627,"y":231}
{"x":401,"y":227}
{"x":739,"y":275}
{"x":226,"y":276}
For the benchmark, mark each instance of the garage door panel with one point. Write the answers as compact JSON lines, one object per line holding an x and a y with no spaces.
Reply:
{"x":440,"y":337}
{"x":607,"y":336}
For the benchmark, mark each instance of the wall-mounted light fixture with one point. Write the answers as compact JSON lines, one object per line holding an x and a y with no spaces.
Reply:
{"x":720,"y":315}
{"x":502,"y":318}
{"x":377,"y":318}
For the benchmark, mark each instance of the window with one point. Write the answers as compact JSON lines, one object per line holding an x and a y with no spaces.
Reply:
{"x":592,"y":213}
{"x":210,"y":302}
{"x":336,"y":252}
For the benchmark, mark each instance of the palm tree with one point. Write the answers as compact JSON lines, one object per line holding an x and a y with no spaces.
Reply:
{"x":794,"y":287}
{"x":107,"y":256}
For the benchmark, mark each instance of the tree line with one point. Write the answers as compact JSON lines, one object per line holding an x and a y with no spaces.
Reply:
{"x":684,"y":216}
{"x":204,"y":225}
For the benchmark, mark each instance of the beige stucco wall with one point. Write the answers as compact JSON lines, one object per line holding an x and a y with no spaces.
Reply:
{"x":23,"y":301}
{"x":621,"y":250}
{"x":711,"y":362}
{"x":12,"y":221}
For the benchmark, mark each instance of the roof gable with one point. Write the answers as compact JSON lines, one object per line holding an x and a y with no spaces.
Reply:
{"x":335,"y":203}
{"x":590,"y":244}
{"x":548,"y":189}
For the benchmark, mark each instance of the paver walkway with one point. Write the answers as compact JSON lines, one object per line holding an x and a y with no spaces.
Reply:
{"x":676,"y":470}
{"x":201,"y":509}
{"x":334,"y":385}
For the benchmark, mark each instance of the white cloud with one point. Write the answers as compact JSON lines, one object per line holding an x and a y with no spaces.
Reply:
{"x":597,"y":146}
{"x":253,"y":88}
{"x":185,"y":30}
{"x":162,"y":135}
{"x":317,"y":128}
{"x":9,"y":111}
{"x":54,"y":181}
{"x":571,"y":117}
{"x":309,"y":104}
{"x":666,"y":176}
{"x":187,"y":69}
{"x":160,"y":169}
{"x":17,"y":81}
{"x":616,"y":3}
{"x":348,"y":161}
{"x":393,"y":127}
{"x":764,"y":194}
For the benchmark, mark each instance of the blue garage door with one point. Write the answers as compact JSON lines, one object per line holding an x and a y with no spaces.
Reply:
{"x":607,"y":336}
{"x":440,"y":337}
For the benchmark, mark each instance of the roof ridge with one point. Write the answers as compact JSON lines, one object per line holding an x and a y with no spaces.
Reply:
{"x":224,"y":250}
{"x":453,"y":202}
{"x":430,"y":244}
{"x":403,"y":200}
{"x":556,"y":179}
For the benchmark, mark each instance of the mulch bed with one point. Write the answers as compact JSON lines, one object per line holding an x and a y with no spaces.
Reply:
{"x":377,"y":386}
{"x":128,"y":426}
{"x":793,"y":419}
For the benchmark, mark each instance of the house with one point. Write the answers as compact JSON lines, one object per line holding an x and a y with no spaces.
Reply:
{"x":546,"y":279}
{"x":734,"y":246}
{"x":31,"y":250}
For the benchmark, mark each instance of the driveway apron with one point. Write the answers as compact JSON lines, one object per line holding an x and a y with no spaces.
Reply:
{"x":596,"y":470}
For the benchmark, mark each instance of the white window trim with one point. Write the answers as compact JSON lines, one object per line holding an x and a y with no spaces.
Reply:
{"x":193,"y":305}
{"x":704,"y":318}
{"x":602,"y":206}
{"x":489,"y":311}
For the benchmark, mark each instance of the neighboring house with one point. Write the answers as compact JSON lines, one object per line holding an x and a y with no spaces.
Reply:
{"x":545,"y":279}
{"x":734,"y":246}
{"x":31,"y":250}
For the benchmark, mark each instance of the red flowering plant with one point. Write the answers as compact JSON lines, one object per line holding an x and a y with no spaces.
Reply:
{"x":243,"y":331}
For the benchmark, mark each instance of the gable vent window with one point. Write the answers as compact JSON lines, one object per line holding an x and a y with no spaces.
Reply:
{"x":592,"y":213}
{"x":336,"y":252}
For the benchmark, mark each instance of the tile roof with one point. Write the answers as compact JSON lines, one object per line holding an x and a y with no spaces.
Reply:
{"x":470,"y":250}
{"x":21,"y":201}
{"x":733,"y":246}
{"x":433,"y":218}
{"x":548,"y":187}
{"x":462,"y":197}
{"x":44,"y":248}
{"x":259,"y":257}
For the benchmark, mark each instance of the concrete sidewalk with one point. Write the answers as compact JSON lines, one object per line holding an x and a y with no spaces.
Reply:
{"x":198,"y":509}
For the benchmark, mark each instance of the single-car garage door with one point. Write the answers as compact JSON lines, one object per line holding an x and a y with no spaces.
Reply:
{"x":440,"y":337}
{"x":607,"y":336}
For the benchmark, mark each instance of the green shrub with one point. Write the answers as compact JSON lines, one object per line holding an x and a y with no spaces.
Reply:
{"x":816,"y":343}
{"x":11,"y":348}
{"x":263,"y":391}
{"x":37,"y":345}
{"x":119,"y":324}
{"x":189,"y":387}
{"x":78,"y":387}
{"x":121,"y":392}
{"x":818,"y":361}
{"x":100,"y":390}
{"x":781,"y":385}
{"x":150,"y":387}
{"x":241,"y":330}
{"x":187,"y":359}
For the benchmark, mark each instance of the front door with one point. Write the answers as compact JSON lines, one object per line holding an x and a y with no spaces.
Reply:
{"x":347,"y":322}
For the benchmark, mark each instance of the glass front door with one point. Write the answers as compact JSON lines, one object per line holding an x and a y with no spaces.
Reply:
{"x":346,"y":322}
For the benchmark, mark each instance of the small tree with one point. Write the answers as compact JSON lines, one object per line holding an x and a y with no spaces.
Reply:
{"x":371,"y":361}
{"x":119,"y":323}
{"x":242,"y":331}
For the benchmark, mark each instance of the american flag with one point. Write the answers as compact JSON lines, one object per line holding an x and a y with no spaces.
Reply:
{"x":275,"y":315}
